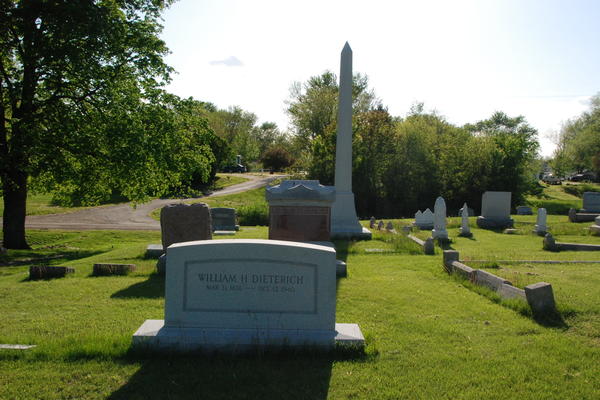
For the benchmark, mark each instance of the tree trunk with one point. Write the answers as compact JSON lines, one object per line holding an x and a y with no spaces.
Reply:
{"x":13,"y":220}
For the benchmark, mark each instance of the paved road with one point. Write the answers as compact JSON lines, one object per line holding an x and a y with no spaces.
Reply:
{"x":125,"y":216}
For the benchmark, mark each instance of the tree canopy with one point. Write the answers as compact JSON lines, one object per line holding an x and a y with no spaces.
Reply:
{"x":401,"y":165}
{"x":83,"y":110}
{"x":578,"y":147}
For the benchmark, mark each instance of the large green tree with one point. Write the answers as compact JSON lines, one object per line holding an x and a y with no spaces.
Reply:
{"x":579,"y":142}
{"x":64,"y":66}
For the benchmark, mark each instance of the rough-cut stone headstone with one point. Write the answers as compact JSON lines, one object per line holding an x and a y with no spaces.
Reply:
{"x":372,"y":223}
{"x":540,"y":226}
{"x":300,"y":211}
{"x":572,"y":215}
{"x":591,"y":202}
{"x":112,"y":269}
{"x":184,"y":223}
{"x":549,"y":242}
{"x":223,"y":219}
{"x":495,"y":211}
{"x":48,"y":272}
{"x":465,"y":230}
{"x":344,"y":222}
{"x":540,"y":297}
{"x":389,"y":226}
{"x":424,"y":220}
{"x":429,"y":246}
{"x":439,"y":220}
{"x":524,"y":210}
{"x":237,"y":295}
{"x":380,"y":225}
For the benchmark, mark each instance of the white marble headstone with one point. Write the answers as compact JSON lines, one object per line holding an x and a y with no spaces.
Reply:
{"x":540,"y":225}
{"x":439,"y":219}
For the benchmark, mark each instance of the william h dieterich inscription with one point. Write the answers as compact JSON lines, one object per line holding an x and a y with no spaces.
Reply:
{"x":217,"y":288}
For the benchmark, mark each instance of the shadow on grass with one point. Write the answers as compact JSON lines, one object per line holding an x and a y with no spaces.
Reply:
{"x":34,"y":258}
{"x":445,"y":244}
{"x":341,"y":248}
{"x":277,"y":374}
{"x":551,"y":320}
{"x":152,"y":288}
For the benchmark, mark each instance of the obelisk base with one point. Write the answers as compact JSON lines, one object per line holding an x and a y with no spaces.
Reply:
{"x":344,"y":222}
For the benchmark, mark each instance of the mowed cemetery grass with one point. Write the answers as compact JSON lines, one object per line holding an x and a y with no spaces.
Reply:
{"x":428,"y":334}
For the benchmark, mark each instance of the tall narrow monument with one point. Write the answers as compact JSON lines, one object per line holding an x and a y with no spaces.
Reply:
{"x":344,"y":223}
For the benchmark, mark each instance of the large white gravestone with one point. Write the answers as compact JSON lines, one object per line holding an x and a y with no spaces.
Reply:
{"x":495,"y":211}
{"x":439,"y":220}
{"x":236,"y":295}
{"x":344,"y":222}
{"x":540,"y":225}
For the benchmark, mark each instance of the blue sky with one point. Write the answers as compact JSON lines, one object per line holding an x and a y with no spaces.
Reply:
{"x":465,"y":59}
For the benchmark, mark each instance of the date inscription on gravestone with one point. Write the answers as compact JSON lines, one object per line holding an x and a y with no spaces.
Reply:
{"x":252,"y":286}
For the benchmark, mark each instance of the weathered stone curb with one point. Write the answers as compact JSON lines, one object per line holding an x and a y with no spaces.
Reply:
{"x":46,"y":272}
{"x":112,"y":269}
{"x":427,"y":245}
{"x":574,"y":216}
{"x":536,"y":261}
{"x":539,"y":296}
{"x":551,"y":244}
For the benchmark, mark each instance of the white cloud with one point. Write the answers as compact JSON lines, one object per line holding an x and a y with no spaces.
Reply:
{"x":231,"y":61}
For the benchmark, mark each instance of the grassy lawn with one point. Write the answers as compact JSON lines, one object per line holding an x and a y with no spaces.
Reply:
{"x":224,"y":180}
{"x":557,"y":199}
{"x":38,"y":204}
{"x":428,"y":336}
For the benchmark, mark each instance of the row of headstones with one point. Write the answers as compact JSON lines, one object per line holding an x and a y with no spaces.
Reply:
{"x":437,"y":220}
{"x":373,"y":224}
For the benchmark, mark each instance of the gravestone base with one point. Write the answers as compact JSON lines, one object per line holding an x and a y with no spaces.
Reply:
{"x":341,"y":269}
{"x":344,"y":222}
{"x":154,"y":335}
{"x":494,"y":223}
{"x":224,"y":233}
{"x":423,"y":227}
{"x":466,"y":234}
{"x":154,"y":251}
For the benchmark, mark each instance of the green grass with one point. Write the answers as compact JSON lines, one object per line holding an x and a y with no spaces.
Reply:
{"x":558,"y":199}
{"x":224,"y":180}
{"x":41,"y":203}
{"x":428,"y":335}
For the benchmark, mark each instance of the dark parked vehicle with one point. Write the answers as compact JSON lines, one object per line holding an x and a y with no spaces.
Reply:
{"x":585,"y":177}
{"x":235,"y":168}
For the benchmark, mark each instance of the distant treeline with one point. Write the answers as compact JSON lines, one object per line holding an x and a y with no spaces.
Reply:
{"x":401,"y":165}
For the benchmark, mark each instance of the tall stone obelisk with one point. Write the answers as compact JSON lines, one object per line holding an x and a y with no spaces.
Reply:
{"x":344,"y":223}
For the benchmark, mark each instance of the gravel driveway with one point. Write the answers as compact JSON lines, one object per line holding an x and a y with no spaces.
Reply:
{"x":125,"y":216}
